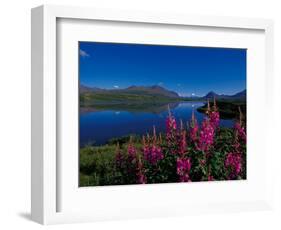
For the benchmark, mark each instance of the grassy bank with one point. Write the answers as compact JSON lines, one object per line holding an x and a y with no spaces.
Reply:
{"x":97,"y":164}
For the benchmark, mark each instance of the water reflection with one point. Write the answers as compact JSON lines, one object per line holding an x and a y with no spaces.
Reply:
{"x":97,"y":126}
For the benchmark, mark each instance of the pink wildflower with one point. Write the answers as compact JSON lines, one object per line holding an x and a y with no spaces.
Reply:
{"x":132,"y":151}
{"x":214,"y":119}
{"x":182,"y":143}
{"x":183,"y":169}
{"x":152,"y":153}
{"x":141,"y":178}
{"x":210,"y":177}
{"x":213,"y":114}
{"x":118,"y":156}
{"x":233,"y":162}
{"x":206,"y":137}
{"x":145,"y":149}
{"x":155,"y":154}
{"x":193,"y":131}
{"x":240,"y":131}
{"x":171,"y":127}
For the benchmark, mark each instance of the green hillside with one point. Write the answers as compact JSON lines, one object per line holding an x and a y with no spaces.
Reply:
{"x":130,"y":96}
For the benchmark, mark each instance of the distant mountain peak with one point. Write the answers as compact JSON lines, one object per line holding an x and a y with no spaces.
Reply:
{"x":156,"y":87}
{"x":88,"y":89}
{"x":132,"y":87}
{"x":239,"y":95}
{"x":211,"y":94}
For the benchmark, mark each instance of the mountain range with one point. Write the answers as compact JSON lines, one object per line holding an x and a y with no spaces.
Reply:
{"x":153,"y":92}
{"x":138,"y":90}
{"x":239,"y":95}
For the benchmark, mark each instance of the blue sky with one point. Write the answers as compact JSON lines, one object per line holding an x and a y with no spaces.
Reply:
{"x":185,"y":70}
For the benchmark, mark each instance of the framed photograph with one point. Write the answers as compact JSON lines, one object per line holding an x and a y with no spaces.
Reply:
{"x":152,"y":118}
{"x":140,"y":114}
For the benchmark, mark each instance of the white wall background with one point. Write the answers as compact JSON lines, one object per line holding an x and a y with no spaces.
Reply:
{"x":15,"y":112}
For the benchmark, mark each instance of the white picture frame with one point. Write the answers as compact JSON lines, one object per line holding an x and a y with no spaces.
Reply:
{"x":45,"y":162}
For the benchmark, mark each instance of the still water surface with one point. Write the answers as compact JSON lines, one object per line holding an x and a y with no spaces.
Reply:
{"x":100,"y":126}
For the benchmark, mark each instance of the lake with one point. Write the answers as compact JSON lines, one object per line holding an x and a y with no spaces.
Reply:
{"x":97,"y":127}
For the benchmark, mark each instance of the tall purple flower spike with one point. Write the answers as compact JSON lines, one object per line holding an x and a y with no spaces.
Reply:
{"x":183,"y":169}
{"x":194,"y":128}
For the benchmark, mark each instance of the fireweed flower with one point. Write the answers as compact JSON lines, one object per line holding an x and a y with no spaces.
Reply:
{"x":182,"y":144}
{"x":132,"y":151}
{"x":210,"y":177}
{"x":213,"y":114}
{"x":152,"y":153}
{"x":214,"y":119}
{"x":193,"y":130}
{"x":240,"y":131}
{"x":171,"y":127}
{"x":183,"y":169}
{"x":131,"y":160}
{"x":206,"y":136}
{"x":155,"y":154}
{"x":141,"y":178}
{"x":118,"y":156}
{"x":182,"y":141}
{"x":145,"y":149}
{"x":233,"y":162}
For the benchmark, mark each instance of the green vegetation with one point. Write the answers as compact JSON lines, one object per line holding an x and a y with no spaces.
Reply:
{"x":98,"y":163}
